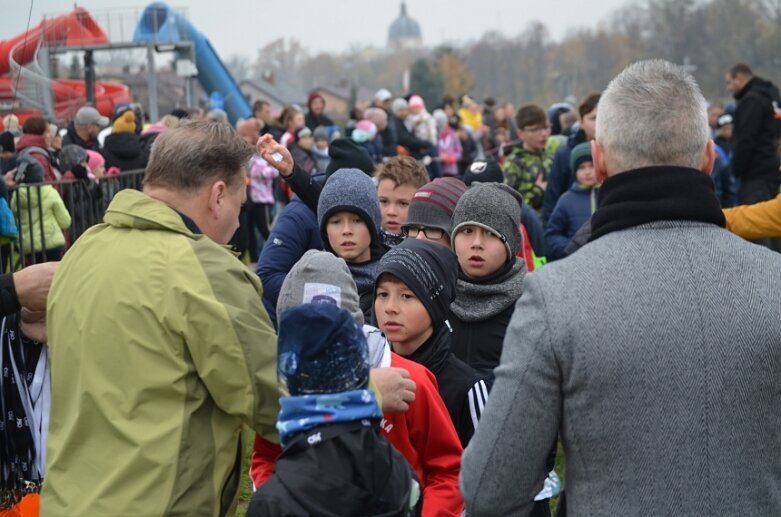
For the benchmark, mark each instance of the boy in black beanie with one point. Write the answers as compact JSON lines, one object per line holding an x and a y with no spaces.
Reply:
{"x":416,"y":283}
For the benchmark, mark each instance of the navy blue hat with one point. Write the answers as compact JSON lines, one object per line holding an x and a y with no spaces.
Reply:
{"x":429,"y":269}
{"x":321,"y":349}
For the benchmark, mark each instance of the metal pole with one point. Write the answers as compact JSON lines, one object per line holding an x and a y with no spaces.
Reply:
{"x":152,"y":82}
{"x":89,"y":77}
{"x":48,"y":99}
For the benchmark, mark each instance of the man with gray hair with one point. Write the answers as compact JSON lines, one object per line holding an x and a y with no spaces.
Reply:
{"x":649,"y":351}
{"x":161,"y":350}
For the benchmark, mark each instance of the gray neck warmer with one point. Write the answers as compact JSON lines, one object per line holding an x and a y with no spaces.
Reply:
{"x":478,"y":302}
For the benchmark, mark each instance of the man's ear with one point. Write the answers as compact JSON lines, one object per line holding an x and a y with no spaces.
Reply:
{"x":709,"y":158}
{"x":598,"y":158}
{"x":217,"y":193}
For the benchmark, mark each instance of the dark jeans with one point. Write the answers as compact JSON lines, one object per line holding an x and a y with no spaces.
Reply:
{"x":755,"y":191}
{"x":260,"y":218}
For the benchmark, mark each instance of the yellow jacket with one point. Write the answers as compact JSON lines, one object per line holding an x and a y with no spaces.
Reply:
{"x":759,"y":221}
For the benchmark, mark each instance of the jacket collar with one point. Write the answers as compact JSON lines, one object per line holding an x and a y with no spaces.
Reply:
{"x":650,"y":194}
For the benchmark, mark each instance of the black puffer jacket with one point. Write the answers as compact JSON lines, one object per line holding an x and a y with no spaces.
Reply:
{"x":756,"y":131}
{"x":124,"y":151}
{"x":337,"y":470}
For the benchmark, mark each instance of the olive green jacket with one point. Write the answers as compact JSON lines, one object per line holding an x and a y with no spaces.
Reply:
{"x":160,"y":350}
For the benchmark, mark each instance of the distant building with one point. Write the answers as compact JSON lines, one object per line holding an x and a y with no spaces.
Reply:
{"x":277,"y":93}
{"x":404,"y":33}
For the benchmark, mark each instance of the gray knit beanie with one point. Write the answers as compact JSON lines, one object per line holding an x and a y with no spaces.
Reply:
{"x":320,"y":277}
{"x":349,"y":190}
{"x":495,"y":207}
{"x":398,"y":105}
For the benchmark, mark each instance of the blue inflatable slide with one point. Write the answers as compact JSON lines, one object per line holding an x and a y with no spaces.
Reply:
{"x":160,"y":24}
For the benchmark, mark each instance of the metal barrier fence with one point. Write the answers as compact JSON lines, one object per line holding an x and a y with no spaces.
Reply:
{"x":86,"y":202}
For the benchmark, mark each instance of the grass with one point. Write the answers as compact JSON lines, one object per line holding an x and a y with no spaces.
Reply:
{"x":245,"y":489}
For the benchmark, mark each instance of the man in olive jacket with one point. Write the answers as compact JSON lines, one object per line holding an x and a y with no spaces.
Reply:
{"x":653,"y":351}
{"x":160,"y":347}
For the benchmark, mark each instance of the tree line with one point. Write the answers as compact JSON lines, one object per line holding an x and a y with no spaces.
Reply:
{"x":708,"y":36}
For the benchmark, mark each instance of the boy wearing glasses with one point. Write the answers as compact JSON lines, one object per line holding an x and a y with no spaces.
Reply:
{"x":431,"y":209}
{"x":527,"y":166}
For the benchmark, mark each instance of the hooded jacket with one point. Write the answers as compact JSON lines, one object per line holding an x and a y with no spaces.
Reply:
{"x":73,"y":138}
{"x":572,"y":211}
{"x":124,"y":151}
{"x":46,"y":161}
{"x":561,"y":176}
{"x":756,"y":131}
{"x":344,"y":465}
{"x":164,"y":358}
{"x":43,"y":217}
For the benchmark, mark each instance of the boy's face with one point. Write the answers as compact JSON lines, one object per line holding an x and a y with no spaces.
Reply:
{"x":401,"y":316}
{"x":321,"y":144}
{"x":297,"y":121}
{"x":589,"y":124}
{"x":394,"y":204}
{"x":305,"y":142}
{"x":480,"y":253}
{"x":349,"y":237}
{"x":535,"y":136}
{"x":585,"y":174}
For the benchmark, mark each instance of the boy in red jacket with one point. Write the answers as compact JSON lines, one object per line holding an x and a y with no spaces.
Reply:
{"x":435,"y":456}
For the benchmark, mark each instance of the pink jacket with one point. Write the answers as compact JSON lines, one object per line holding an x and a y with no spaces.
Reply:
{"x":261,"y":186}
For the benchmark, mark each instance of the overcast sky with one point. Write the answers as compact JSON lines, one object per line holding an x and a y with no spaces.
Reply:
{"x":243,"y":26}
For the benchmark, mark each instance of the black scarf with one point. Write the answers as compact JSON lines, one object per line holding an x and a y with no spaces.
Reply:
{"x":663,"y":193}
{"x":19,"y":473}
{"x":434,"y":352}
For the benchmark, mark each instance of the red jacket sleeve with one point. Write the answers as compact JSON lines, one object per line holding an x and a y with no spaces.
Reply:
{"x":435,"y":439}
{"x":264,"y":456}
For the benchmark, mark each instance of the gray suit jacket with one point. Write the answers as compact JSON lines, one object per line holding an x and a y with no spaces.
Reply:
{"x":655,"y":352}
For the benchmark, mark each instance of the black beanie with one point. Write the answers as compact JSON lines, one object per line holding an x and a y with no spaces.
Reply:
{"x":429,"y":269}
{"x":483,"y":171}
{"x":346,"y":154}
{"x":7,"y":142}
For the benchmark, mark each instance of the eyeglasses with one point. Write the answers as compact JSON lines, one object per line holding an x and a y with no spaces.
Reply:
{"x":535,"y":130}
{"x":431,"y":233}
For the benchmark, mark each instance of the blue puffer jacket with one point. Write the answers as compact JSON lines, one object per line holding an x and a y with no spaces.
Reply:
{"x":294,"y":233}
{"x":560,"y":176}
{"x":572,"y":210}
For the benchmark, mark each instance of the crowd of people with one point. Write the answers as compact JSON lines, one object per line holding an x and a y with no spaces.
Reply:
{"x":392,"y":350}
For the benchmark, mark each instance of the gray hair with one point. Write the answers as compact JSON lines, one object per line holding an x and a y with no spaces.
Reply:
{"x":652,"y":113}
{"x":195,"y":152}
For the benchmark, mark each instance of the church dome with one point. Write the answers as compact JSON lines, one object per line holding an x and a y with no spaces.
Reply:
{"x":404,"y":31}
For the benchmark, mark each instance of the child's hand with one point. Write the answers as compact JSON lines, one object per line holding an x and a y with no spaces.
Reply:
{"x":275,"y":154}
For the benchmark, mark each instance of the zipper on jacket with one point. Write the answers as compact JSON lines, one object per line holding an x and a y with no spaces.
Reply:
{"x":231,"y":485}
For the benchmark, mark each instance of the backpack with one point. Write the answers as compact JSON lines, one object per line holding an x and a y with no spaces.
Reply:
{"x":28,"y":168}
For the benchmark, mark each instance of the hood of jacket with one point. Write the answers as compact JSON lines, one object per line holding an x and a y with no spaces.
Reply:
{"x":27,"y":140}
{"x":134,"y":209}
{"x":125,"y":146}
{"x":760,"y":86}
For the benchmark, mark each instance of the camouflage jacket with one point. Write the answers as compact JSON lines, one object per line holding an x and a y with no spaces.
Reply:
{"x":521,"y":169}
